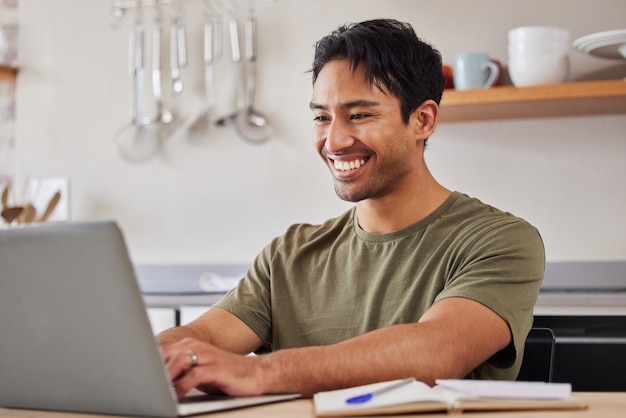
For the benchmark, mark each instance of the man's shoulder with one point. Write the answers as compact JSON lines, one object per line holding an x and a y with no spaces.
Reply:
{"x":332,"y":226}
{"x":470,"y":218}
{"x":473,"y":209}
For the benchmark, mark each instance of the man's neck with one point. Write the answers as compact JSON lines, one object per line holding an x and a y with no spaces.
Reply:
{"x":393,"y":213}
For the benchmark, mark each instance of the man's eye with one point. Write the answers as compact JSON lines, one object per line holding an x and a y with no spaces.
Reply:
{"x":320,"y":118}
{"x":357,"y":116}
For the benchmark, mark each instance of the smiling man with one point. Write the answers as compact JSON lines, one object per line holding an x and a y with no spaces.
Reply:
{"x":414,"y":281}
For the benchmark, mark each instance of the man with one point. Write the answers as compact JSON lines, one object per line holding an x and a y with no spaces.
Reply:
{"x":415,"y":280}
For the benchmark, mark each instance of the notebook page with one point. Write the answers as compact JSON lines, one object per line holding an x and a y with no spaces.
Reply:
{"x":335,"y":401}
{"x":508,"y":389}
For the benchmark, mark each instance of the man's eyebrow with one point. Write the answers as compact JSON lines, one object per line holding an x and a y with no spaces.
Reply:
{"x":346,"y":105}
{"x":314,"y":106}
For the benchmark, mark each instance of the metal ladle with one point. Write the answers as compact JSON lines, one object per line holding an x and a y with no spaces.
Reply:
{"x":249,"y":123}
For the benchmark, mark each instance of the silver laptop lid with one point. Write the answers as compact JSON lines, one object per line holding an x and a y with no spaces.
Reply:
{"x":74,"y":330}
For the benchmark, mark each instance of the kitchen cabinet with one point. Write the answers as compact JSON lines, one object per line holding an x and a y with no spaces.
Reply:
{"x":589,"y":351}
{"x":584,"y":304}
{"x":7,"y":73}
{"x":555,"y":100}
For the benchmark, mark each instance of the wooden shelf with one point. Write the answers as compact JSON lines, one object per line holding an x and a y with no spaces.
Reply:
{"x":554,"y":100}
{"x":7,"y":73}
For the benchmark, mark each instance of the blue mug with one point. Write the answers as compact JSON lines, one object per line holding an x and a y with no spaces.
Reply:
{"x":474,"y":70}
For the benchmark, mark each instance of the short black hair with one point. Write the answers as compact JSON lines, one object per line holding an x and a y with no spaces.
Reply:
{"x":393,"y":55}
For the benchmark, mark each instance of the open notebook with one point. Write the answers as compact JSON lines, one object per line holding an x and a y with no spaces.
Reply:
{"x":75,"y":332}
{"x":454,"y":396}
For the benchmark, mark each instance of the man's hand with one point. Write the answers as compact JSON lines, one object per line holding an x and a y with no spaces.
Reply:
{"x":192,"y":363}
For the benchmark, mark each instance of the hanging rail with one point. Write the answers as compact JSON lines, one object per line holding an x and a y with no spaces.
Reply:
{"x":129,"y":4}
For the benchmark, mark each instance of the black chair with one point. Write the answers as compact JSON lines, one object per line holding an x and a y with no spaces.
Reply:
{"x":538,"y":362}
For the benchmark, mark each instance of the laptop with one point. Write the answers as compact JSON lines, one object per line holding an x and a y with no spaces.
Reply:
{"x":74,"y":331}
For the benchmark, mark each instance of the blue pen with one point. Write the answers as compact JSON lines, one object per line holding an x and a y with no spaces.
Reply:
{"x":368,"y":396}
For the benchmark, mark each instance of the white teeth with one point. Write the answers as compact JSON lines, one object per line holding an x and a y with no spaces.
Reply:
{"x":348,"y":165}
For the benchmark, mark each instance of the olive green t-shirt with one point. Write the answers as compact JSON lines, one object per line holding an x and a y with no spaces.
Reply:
{"x":321,"y":284}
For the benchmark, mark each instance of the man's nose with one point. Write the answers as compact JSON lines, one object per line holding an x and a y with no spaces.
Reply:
{"x":339,"y":136}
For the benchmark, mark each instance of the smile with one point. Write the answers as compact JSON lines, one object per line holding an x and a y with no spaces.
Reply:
{"x":348,"y":165}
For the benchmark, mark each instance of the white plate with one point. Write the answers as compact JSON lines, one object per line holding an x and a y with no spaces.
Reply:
{"x":603,"y":44}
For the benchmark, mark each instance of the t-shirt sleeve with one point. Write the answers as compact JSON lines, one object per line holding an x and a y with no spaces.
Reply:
{"x":503,"y":269}
{"x":250,"y":301}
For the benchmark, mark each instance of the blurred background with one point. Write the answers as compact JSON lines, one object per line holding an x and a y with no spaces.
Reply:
{"x":208,"y":196}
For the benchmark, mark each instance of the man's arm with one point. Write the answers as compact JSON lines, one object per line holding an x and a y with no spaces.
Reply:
{"x":217,"y":327}
{"x":453,"y":337}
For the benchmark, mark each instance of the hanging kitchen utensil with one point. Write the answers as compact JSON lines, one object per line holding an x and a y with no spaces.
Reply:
{"x":181,"y":39}
{"x":233,"y":30}
{"x":178,"y":53}
{"x":211,"y":47}
{"x":139,"y":141}
{"x":165,"y":123}
{"x":162,"y":115}
{"x":203,"y":120}
{"x":249,"y":123}
{"x":208,"y":64}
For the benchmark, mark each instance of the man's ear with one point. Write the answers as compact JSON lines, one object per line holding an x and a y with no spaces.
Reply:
{"x":425,"y":118}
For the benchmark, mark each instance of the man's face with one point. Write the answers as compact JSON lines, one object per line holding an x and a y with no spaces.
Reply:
{"x":360,"y":134}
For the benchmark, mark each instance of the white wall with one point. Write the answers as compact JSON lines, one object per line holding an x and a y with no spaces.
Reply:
{"x":210,"y":197}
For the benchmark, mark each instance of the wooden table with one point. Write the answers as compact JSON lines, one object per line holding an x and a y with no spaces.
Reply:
{"x":601,"y":405}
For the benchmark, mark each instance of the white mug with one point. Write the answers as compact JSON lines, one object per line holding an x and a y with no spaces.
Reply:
{"x":474,"y":70}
